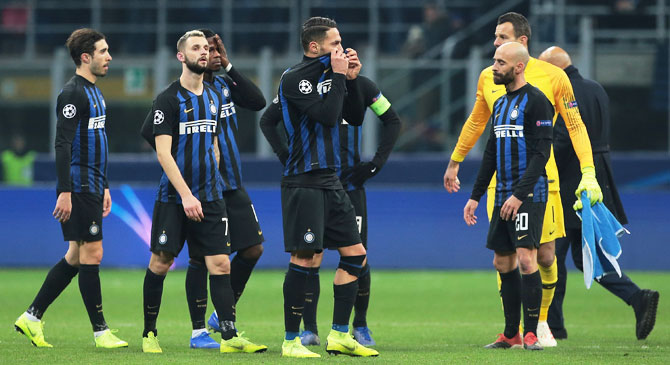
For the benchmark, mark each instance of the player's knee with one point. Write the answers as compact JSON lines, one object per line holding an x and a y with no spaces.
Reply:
{"x":527,"y":265}
{"x":252,"y":253}
{"x":218,"y":265}
{"x":160,"y":263}
{"x":545,"y":259}
{"x":352,"y":264}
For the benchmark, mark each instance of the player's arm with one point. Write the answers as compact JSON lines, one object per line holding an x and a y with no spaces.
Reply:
{"x":354,"y":102}
{"x":147,"y":130}
{"x":473,"y":128}
{"x":567,"y":107}
{"x":217,"y":152}
{"x":269,"y":122}
{"x":244,"y":92}
{"x":307,"y":100}
{"x":71,"y":108}
{"x":486,"y":171}
{"x":165,"y":121}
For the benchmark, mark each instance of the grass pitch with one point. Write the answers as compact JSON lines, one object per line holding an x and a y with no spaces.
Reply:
{"x":416,"y":316}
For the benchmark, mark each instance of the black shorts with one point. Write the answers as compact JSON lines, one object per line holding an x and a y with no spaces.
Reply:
{"x":525,"y":231}
{"x":359,"y":201}
{"x":244,"y":228}
{"x":170,"y":227}
{"x":85,"y":223}
{"x":315,"y":219}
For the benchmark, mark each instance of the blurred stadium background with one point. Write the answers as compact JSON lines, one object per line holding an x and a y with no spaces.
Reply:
{"x":425,"y":56}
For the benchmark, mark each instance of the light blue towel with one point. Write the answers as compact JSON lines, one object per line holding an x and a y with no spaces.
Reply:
{"x":600,"y":241}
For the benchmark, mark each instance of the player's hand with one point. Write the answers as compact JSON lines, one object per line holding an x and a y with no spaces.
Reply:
{"x":63,"y":207}
{"x":510,"y":208}
{"x":469,"y":212}
{"x":354,"y":64}
{"x":338,"y":61}
{"x":590,"y":185}
{"x":192,"y":208}
{"x":222,"y":51}
{"x":451,"y":182}
{"x":360,"y":173}
{"x":106,"y":204}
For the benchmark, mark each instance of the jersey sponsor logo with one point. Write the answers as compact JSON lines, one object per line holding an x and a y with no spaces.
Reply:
{"x":324,"y":86}
{"x":97,"y":122}
{"x":69,"y":111}
{"x":197,"y":126}
{"x":495,"y":91}
{"x":186,"y":111}
{"x":544,"y":123}
{"x":504,"y":131}
{"x":227,"y":110}
{"x":159,"y":117}
{"x":514,"y":114}
{"x":309,"y":236}
{"x":305,"y":86}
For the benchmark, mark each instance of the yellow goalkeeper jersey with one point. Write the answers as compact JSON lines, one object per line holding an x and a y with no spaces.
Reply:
{"x":554,"y":83}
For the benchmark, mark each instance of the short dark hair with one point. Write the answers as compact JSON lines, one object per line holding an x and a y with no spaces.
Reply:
{"x":314,"y":30}
{"x":82,"y":41}
{"x":519,"y":22}
{"x":207,"y":32}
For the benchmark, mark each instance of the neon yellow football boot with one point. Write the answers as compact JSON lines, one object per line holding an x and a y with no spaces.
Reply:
{"x":150,"y":344}
{"x":32,"y":330}
{"x":294,"y":348}
{"x":343,"y":343}
{"x":241,"y":344}
{"x":108,"y":340}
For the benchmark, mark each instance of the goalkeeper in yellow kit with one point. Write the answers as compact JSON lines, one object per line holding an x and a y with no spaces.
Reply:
{"x":554,"y":83}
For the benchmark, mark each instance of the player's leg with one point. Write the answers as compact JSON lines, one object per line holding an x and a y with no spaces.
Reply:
{"x":643,"y":301}
{"x":555,"y":318}
{"x":167,"y":240}
{"x":361,"y":332}
{"x":196,"y":298}
{"x":90,"y":256}
{"x":342,"y":232}
{"x":58,"y":278}
{"x":552,"y":228}
{"x":310,"y":336}
{"x":242,"y":266}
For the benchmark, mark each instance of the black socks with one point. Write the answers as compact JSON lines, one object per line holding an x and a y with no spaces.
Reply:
{"x":510,"y":291}
{"x":312,"y":294}
{"x":224,"y":303}
{"x":89,"y":287}
{"x":295,"y":284}
{"x":240,"y":271}
{"x":532,"y":299}
{"x":58,"y":278}
{"x":196,"y":293}
{"x":362,"y":298}
{"x":153,"y":292}
{"x":345,"y":296}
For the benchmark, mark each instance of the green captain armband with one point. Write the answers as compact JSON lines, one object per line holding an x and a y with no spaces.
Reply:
{"x":381,"y":105}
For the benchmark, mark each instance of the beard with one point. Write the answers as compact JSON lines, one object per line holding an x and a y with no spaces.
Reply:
{"x":503,"y":79}
{"x":195,"y":67}
{"x":98,"y":71}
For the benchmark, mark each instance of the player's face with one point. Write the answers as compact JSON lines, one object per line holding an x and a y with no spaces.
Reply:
{"x":214,"y":63}
{"x":196,"y":54}
{"x":100,"y":59}
{"x":503,"y":71}
{"x":504,"y":33}
{"x":332,"y":41}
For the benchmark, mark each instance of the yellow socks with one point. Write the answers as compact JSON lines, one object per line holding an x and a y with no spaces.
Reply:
{"x":549,"y":278}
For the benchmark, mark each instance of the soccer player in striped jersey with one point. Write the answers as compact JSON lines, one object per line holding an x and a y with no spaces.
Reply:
{"x":189,"y":204}
{"x":246,"y":236}
{"x":83,"y":191}
{"x":517,"y":150}
{"x":553,"y":82}
{"x":314,"y":96}
{"x":353,"y":175}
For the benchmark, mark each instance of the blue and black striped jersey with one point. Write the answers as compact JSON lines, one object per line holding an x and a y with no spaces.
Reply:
{"x":518,"y":147}
{"x":81,"y":141}
{"x":230,"y":166}
{"x":192,"y":121}
{"x":311,"y":98}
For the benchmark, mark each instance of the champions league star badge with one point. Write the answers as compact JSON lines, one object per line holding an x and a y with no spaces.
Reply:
{"x":94,"y":229}
{"x":514,"y":114}
{"x":309,"y":236}
{"x":162,"y":239}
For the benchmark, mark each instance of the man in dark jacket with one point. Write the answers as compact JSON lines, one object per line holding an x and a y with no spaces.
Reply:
{"x":593,"y":104}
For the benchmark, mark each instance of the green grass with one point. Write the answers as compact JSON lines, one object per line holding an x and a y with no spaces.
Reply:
{"x":417,"y":316}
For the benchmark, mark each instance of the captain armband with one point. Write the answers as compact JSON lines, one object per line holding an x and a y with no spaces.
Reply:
{"x":380,"y":104}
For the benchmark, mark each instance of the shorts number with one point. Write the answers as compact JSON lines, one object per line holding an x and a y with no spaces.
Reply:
{"x":254,"y":210}
{"x":359,"y":223}
{"x":522,"y":222}
{"x":225,"y":220}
